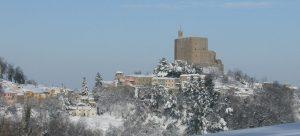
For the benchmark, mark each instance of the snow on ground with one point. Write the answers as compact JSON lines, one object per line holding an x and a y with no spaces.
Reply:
{"x":291,"y":129}
{"x":240,"y":88}
{"x":99,"y":122}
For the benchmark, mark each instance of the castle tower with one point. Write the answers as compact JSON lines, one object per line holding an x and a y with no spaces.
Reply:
{"x":195,"y":51}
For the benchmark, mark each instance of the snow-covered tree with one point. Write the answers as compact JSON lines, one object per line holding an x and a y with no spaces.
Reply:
{"x":200,"y":100}
{"x":84,"y":89}
{"x":171,"y":107}
{"x":7,"y":71}
{"x":156,"y":98}
{"x":19,"y":76}
{"x":193,"y":100}
{"x":98,"y":80}
{"x":113,"y":131}
{"x":163,"y":68}
{"x":1,"y":89}
{"x":10,"y":72}
{"x":209,"y":88}
{"x":1,"y":76}
{"x":1,"y":99}
{"x":3,"y":67}
{"x":171,"y":130}
{"x":180,"y":67}
{"x":98,"y":83}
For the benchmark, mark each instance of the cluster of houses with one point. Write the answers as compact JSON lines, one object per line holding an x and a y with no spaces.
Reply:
{"x":150,"y":80}
{"x":12,"y":94}
{"x":85,"y":106}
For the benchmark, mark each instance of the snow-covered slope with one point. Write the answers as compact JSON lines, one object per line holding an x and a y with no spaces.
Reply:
{"x":102,"y":122}
{"x":241,"y":89}
{"x":291,"y":129}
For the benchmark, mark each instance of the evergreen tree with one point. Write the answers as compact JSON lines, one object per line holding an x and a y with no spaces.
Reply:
{"x":1,"y":89}
{"x":157,"y":97}
{"x":171,"y":130}
{"x":179,"y":67}
{"x":19,"y":76}
{"x":85,"y":89}
{"x":200,"y":100}
{"x":98,"y":86}
{"x":98,"y":81}
{"x":1,"y":75}
{"x":162,"y":68}
{"x":198,"y":69}
{"x":3,"y":67}
{"x":10,"y":72}
{"x":209,"y":87}
{"x":194,"y":106}
{"x":171,"y":106}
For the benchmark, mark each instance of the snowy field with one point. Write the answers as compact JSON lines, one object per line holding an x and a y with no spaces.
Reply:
{"x":99,"y":122}
{"x":291,"y":129}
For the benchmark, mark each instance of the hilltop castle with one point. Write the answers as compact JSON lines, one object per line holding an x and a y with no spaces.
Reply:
{"x":195,"y":51}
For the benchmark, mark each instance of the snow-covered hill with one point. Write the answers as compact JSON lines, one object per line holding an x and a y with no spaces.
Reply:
{"x":291,"y":129}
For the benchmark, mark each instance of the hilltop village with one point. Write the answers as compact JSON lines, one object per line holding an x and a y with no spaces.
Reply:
{"x":187,"y":50}
{"x":190,"y":95}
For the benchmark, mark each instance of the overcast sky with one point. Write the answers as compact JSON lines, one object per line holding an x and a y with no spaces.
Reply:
{"x":59,"y":41}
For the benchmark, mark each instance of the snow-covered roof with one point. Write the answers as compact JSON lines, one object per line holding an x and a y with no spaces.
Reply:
{"x":10,"y":87}
{"x":192,"y":75}
{"x":35,"y":89}
{"x":169,"y":78}
{"x":293,"y":87}
{"x":140,"y":75}
{"x":80,"y":107}
{"x":107,"y":82}
{"x":119,"y":72}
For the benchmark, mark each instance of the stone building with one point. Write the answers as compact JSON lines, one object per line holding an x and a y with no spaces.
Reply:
{"x":138,"y":80}
{"x":169,"y":83}
{"x":195,"y":51}
{"x":83,"y":110}
{"x":132,"y":80}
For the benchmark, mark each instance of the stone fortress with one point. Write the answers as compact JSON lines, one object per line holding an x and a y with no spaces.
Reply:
{"x":195,"y":51}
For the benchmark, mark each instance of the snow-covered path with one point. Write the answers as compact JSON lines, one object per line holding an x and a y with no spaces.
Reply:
{"x":291,"y":129}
